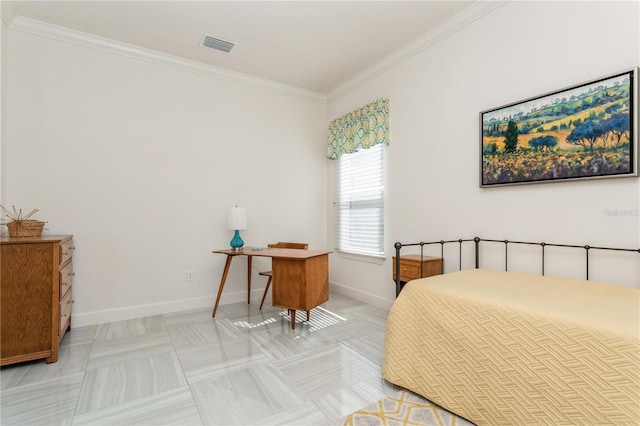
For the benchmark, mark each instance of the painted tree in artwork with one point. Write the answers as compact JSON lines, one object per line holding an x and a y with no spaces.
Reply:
{"x":618,"y":125}
{"x":543,"y":143}
{"x":511,"y":137}
{"x":585,"y":135}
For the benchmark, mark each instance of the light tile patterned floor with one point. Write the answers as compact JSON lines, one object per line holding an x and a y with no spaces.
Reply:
{"x":246,"y":366}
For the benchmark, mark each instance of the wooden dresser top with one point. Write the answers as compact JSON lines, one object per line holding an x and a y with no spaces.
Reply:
{"x":5,"y":239}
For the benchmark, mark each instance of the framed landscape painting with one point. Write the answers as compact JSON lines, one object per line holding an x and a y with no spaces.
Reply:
{"x":582,"y":132}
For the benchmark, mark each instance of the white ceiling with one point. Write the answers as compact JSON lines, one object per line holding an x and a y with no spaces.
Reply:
{"x":313,"y":45}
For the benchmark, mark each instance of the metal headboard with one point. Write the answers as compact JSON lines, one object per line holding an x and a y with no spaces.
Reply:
{"x":476,"y":240}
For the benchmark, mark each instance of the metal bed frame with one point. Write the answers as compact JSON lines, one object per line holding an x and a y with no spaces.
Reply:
{"x":476,"y":240}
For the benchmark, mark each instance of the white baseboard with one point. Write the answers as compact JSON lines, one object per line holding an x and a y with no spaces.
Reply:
{"x":371,"y":299}
{"x":139,"y":311}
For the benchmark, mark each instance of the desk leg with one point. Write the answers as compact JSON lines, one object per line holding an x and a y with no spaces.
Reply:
{"x":249,"y":279}
{"x":293,"y":319}
{"x":224,"y":278}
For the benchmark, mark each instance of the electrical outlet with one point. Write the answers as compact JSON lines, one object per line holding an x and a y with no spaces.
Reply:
{"x":189,"y":276}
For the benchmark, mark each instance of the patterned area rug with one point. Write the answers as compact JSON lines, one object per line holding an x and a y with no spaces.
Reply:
{"x":406,"y":409}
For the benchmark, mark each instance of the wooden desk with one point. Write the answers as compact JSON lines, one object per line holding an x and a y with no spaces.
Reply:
{"x":300,"y":277}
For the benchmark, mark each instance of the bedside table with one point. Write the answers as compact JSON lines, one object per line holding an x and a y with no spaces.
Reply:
{"x":410,"y":267}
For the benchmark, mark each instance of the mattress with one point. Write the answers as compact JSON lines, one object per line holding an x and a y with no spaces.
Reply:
{"x":511,"y":348}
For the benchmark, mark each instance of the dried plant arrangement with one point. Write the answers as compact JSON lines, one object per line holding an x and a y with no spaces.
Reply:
{"x":21,"y":226}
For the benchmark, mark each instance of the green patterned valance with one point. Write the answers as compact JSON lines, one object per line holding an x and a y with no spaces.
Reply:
{"x":360,"y":129}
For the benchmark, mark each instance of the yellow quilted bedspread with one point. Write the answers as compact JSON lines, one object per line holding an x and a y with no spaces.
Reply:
{"x":506,"y":348}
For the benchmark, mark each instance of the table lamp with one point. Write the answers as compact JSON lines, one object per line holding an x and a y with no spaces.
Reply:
{"x":237,"y":221}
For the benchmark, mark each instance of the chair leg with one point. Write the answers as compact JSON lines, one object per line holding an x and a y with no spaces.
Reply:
{"x":266,"y":290}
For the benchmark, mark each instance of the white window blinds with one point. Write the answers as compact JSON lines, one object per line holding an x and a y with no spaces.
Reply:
{"x":359,"y":204}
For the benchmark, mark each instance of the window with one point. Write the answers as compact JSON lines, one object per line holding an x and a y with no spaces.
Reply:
{"x":359,"y":201}
{"x":357,"y":141}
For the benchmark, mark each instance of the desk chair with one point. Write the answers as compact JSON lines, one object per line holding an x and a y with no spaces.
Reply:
{"x":300,"y":246}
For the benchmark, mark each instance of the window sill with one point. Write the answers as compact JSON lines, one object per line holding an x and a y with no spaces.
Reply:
{"x":378,"y":260}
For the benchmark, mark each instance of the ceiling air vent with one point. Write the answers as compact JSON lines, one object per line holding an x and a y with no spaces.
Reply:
{"x":216,"y":43}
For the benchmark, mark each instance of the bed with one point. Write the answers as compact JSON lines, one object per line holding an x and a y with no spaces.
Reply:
{"x":500,"y":347}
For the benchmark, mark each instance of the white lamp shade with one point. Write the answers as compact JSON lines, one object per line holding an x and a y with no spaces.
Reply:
{"x":237,"y":218}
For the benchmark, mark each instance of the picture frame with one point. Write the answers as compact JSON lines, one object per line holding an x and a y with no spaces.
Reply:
{"x":585,"y":131}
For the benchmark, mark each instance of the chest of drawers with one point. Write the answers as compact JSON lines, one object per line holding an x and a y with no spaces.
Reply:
{"x":35,"y":296}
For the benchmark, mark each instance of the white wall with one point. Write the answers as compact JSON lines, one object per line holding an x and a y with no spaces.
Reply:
{"x":520,"y":50}
{"x":6,"y":16}
{"x":140,"y":162}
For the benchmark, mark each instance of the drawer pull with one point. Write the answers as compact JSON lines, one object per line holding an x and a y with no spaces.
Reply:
{"x":64,"y":316}
{"x":72,"y":274}
{"x":65,"y":283}
{"x":71,"y":301}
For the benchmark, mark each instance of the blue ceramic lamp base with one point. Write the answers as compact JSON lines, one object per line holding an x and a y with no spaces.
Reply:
{"x":236,"y":242}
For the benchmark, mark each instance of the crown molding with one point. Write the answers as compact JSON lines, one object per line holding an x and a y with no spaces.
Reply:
{"x":7,"y":13}
{"x":442,"y":31}
{"x":43,"y":29}
{"x":467,"y":16}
